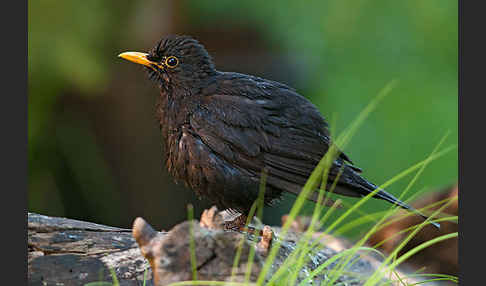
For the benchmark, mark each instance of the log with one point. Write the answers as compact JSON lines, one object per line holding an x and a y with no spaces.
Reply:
{"x":64,"y":251}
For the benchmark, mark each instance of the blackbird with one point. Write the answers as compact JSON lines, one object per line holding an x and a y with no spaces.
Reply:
{"x":221,"y":129}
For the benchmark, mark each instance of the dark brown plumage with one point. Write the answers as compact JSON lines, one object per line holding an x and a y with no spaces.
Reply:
{"x":220,"y":129}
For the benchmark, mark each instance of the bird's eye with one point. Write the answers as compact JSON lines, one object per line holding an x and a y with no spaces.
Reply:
{"x":171,"y":62}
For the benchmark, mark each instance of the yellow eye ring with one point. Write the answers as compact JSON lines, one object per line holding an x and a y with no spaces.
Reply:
{"x":171,"y":62}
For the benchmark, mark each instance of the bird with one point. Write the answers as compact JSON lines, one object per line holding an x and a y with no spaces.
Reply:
{"x":222,"y":130}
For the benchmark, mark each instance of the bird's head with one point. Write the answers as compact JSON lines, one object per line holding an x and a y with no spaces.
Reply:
{"x":175,"y":61}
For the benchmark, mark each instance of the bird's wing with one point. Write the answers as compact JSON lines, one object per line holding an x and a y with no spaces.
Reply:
{"x":293,"y":109}
{"x":276,"y":129}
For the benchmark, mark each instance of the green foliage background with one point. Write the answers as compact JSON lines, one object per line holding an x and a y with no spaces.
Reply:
{"x":343,"y":52}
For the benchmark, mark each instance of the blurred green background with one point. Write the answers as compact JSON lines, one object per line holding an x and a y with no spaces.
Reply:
{"x":95,"y":149}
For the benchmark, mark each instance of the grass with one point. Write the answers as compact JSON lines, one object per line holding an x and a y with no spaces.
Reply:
{"x":192,"y":244}
{"x":287,"y":274}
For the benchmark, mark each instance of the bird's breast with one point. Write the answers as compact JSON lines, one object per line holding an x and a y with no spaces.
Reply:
{"x":188,"y":159}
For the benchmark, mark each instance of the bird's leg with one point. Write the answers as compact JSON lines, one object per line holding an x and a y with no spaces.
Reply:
{"x":238,"y":223}
{"x":226,"y":220}
{"x":265,"y":235}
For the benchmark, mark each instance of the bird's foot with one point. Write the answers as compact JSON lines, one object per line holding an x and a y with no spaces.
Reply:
{"x":265,"y":242}
{"x":212,"y":219}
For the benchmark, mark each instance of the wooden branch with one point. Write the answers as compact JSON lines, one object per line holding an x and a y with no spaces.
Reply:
{"x":71,"y":252}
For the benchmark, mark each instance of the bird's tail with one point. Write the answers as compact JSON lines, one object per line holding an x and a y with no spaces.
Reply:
{"x":382,"y":194}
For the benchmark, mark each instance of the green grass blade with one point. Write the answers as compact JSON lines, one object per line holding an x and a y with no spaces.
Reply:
{"x":343,"y":140}
{"x":113,"y":276}
{"x":237,"y":258}
{"x":386,"y":184}
{"x":105,"y":283}
{"x":341,"y":267}
{"x":259,"y":203}
{"x":304,"y":244}
{"x":336,"y":257}
{"x":299,"y":202}
{"x":145,"y":277}
{"x":378,"y":274}
{"x":420,"y":247}
{"x":192,"y":246}
{"x":444,"y":276}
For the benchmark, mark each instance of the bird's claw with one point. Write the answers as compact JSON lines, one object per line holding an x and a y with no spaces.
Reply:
{"x":212,"y":219}
{"x":266,"y":240}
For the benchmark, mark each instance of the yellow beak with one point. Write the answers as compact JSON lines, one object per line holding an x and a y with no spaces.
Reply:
{"x":139,"y":58}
